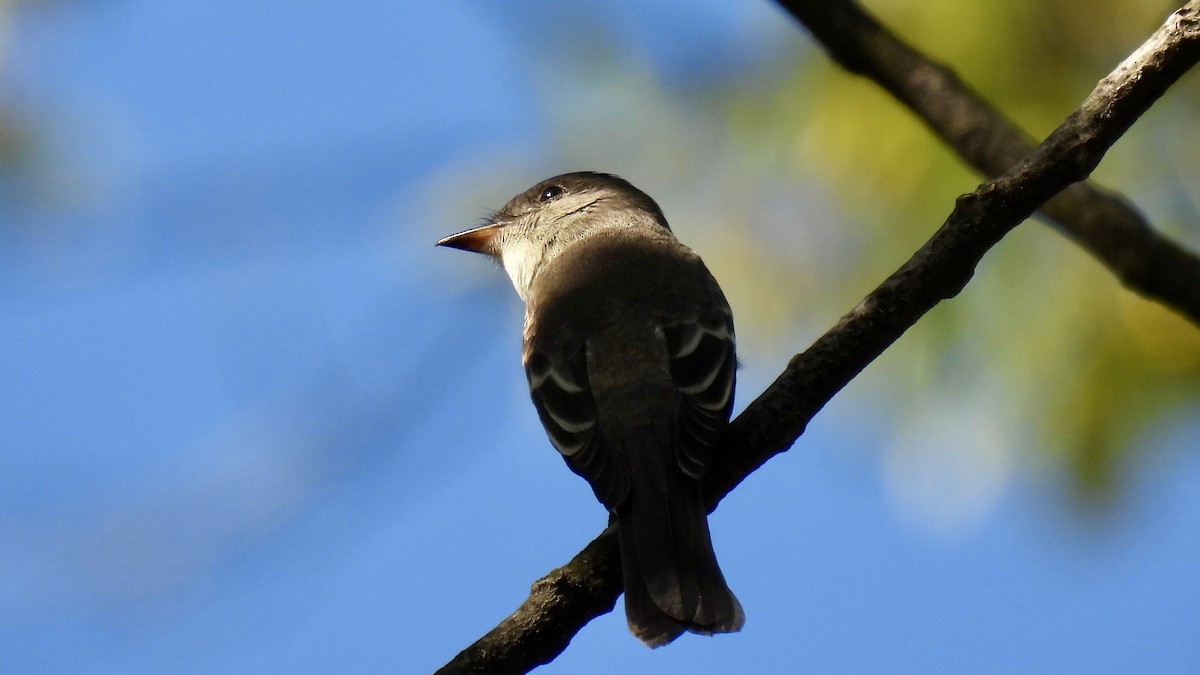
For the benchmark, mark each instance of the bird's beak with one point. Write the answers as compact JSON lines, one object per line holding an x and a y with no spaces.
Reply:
{"x":479,"y":240}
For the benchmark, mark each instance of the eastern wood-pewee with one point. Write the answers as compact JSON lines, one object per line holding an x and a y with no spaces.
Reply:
{"x":629,"y":353}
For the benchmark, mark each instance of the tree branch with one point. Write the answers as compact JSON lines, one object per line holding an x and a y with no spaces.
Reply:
{"x":1103,"y":223}
{"x":566,"y":599}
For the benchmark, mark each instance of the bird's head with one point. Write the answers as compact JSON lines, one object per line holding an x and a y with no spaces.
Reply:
{"x":536,"y":225}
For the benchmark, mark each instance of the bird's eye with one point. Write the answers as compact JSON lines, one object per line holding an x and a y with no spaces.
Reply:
{"x":550,"y":192}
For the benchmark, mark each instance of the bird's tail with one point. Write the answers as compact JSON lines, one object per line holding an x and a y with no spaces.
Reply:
{"x":672,"y":581}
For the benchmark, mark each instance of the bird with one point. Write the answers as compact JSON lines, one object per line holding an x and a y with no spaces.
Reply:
{"x":628,"y":348}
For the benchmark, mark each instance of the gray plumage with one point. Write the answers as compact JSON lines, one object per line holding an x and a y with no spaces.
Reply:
{"x":629,"y":352}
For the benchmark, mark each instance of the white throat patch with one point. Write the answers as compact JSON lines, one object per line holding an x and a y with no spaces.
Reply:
{"x":521,"y":258}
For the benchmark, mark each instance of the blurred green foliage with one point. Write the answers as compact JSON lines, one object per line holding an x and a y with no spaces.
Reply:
{"x":1081,"y":363}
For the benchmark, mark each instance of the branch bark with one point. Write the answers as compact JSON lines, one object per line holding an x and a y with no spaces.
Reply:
{"x":1103,"y":223}
{"x":566,"y":599}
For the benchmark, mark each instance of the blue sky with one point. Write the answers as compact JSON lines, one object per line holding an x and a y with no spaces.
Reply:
{"x":255,"y":422}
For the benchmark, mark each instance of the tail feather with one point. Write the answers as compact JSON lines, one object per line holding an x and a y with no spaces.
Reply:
{"x":672,"y":580}
{"x":646,"y":621}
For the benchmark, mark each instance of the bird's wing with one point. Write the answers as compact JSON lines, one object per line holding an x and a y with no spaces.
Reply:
{"x":703,"y":369}
{"x":563,"y":398}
